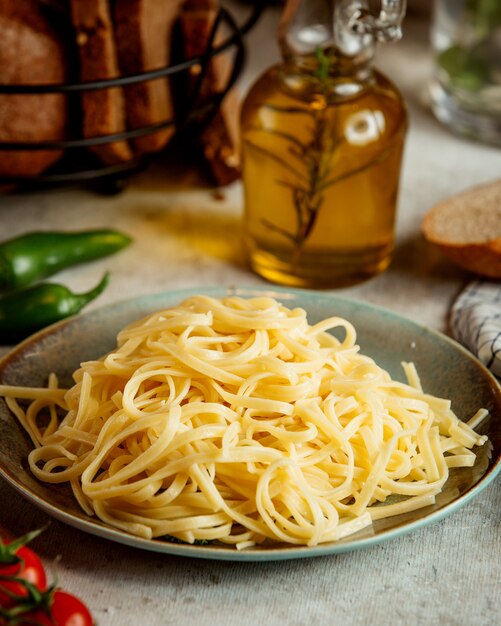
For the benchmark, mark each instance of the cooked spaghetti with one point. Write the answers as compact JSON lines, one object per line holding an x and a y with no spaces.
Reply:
{"x":236,"y":420}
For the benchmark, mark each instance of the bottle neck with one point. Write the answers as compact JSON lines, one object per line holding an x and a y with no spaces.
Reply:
{"x":334,"y":41}
{"x":328,"y":75}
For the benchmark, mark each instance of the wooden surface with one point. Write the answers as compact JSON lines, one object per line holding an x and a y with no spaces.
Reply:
{"x":448,"y":573}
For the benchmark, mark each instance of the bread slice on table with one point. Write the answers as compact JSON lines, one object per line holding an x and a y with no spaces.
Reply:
{"x":220,"y":137}
{"x":467,"y":228}
{"x":144,"y":34}
{"x":31,"y":52}
{"x":103,"y":109}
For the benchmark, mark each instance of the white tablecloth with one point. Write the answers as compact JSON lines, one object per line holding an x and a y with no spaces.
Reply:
{"x":448,"y":573}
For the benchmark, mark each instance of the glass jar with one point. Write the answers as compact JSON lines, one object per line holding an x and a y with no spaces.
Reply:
{"x":466,"y":86}
{"x":322,"y":140}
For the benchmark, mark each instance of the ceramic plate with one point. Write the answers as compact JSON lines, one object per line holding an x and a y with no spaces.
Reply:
{"x":446,"y":370}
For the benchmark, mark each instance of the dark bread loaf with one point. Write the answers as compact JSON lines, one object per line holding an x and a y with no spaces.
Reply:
{"x":139,"y":38}
{"x":220,"y":137}
{"x":103,"y":109}
{"x":144,"y":33}
{"x":31,"y":52}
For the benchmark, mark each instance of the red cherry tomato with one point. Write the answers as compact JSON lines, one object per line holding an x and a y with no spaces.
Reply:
{"x":24,"y":597}
{"x":65,"y":610}
{"x":28,"y":568}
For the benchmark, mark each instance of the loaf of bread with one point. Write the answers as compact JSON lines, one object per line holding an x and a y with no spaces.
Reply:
{"x":143,"y":33}
{"x":220,"y":137}
{"x":109,"y":38}
{"x":467,"y":228}
{"x":103,"y":109}
{"x":31,"y":52}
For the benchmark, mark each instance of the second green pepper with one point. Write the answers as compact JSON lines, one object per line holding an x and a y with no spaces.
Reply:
{"x":25,"y":311}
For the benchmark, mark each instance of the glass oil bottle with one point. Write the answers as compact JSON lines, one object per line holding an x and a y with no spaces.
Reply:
{"x":322,"y":140}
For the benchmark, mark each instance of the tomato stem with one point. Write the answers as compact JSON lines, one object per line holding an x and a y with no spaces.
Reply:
{"x":34,"y":600}
{"x":8,"y":551}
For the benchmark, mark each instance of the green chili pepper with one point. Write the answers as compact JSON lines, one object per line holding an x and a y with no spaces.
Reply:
{"x":27,"y":310}
{"x":31,"y":257}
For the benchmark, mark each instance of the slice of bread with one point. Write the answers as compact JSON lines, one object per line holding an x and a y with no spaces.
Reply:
{"x":103,"y":109}
{"x":467,"y":228}
{"x":144,"y":35}
{"x":31,"y":52}
{"x":220,"y":137}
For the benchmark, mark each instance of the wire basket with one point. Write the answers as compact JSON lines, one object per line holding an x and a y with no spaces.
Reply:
{"x":111,"y":178}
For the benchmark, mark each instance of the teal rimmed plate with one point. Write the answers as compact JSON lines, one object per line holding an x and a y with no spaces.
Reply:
{"x":445,"y":368}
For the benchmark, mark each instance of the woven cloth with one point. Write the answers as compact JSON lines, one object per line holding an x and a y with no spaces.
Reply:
{"x":476,"y":322}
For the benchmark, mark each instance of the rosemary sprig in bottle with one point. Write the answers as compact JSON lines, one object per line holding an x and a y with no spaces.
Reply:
{"x":310,"y":170}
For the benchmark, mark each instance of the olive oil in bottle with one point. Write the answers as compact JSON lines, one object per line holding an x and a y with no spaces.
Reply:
{"x":322,"y":136}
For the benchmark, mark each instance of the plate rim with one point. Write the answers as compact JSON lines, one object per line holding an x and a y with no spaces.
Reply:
{"x":98,"y":528}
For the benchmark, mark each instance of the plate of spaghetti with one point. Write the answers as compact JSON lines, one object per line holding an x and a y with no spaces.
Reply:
{"x":246,"y":424}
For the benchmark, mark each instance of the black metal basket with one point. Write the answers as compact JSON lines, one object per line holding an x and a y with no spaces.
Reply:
{"x":111,"y":178}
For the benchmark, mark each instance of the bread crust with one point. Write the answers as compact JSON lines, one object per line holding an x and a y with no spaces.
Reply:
{"x":467,"y":228}
{"x":220,"y":137}
{"x":31,"y":52}
{"x":144,"y":34}
{"x":103,"y":109}
{"x":484,"y":260}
